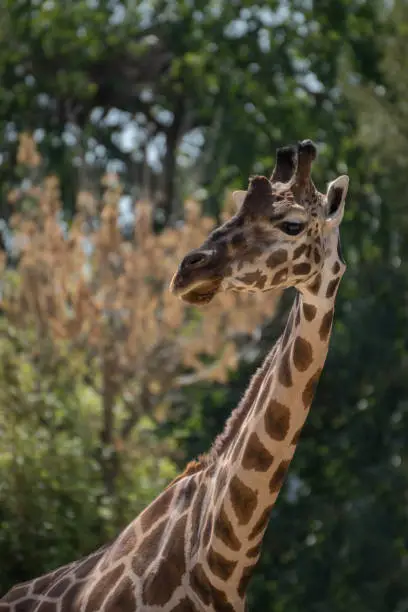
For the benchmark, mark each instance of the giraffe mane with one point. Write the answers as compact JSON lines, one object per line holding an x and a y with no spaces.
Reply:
{"x":223,"y":441}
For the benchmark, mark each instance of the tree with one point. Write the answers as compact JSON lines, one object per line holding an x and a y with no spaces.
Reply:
{"x":203,"y":93}
{"x":93,"y":297}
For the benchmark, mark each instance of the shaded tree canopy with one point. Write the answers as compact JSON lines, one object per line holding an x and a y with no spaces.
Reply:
{"x":189,"y":80}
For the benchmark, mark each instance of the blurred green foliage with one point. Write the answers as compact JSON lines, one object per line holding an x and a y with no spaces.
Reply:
{"x":53,"y":503}
{"x":216,"y":87}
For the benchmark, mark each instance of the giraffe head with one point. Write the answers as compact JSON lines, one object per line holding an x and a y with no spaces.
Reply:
{"x":280,"y":236}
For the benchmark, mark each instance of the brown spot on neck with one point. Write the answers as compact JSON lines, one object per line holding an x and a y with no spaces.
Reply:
{"x":256,"y":456}
{"x":255,"y":551}
{"x":219,"y":565}
{"x":279,"y":476}
{"x":59,"y":588}
{"x":208,"y":530}
{"x":197,"y":514}
{"x":277,"y":420}
{"x":156,"y":510}
{"x":220,"y":601}
{"x":296,"y":437}
{"x":185,"y":605}
{"x":148,"y":549}
{"x":243,"y":499}
{"x":123,"y":596}
{"x":103,"y":587}
{"x":244,"y":581}
{"x":314,"y":287}
{"x":309,"y":311}
{"x":310,"y":389}
{"x":336,"y":267}
{"x":302,"y":354}
{"x":326,"y":324}
{"x":284,"y":372}
{"x":200,"y":583}
{"x":261,"y":523}
{"x":224,"y":530}
{"x":332,"y":287}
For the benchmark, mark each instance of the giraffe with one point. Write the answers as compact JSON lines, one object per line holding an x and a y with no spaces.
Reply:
{"x":194,"y":548}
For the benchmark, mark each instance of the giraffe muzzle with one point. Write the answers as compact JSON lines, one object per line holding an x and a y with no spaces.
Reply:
{"x":197,"y":279}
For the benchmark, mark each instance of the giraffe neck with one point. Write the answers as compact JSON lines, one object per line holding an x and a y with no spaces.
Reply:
{"x":251,"y":472}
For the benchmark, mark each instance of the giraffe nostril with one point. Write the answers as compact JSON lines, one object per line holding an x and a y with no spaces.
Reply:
{"x":196,"y":259}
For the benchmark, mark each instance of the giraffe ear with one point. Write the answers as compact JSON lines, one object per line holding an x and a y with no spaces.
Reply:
{"x":336,"y":197}
{"x":238,"y":198}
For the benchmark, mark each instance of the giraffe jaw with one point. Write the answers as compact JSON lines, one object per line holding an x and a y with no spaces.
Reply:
{"x":197,"y":294}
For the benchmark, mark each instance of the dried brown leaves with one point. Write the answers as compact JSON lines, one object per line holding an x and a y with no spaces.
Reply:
{"x":88,"y":286}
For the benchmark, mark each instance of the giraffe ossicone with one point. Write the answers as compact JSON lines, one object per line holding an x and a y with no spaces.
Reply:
{"x":195,"y":547}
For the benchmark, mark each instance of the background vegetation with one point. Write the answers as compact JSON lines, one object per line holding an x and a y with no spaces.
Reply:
{"x":123,"y":127}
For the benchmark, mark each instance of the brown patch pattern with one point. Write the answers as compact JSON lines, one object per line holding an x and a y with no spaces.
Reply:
{"x":284,"y":373}
{"x":172,"y":566}
{"x":277,"y":420}
{"x":70,"y":596}
{"x":219,"y":565}
{"x":208,"y":530}
{"x":196,"y":515}
{"x":309,"y":311}
{"x":220,"y":482}
{"x":299,"y":251}
{"x":224,"y":530}
{"x":199,"y":583}
{"x":244,"y":580}
{"x":185,"y":605}
{"x":280,"y":276}
{"x":125,"y":545}
{"x":243,"y":499}
{"x":332,"y":287}
{"x":296,"y":436}
{"x":302,"y":354}
{"x":261,"y":523}
{"x":220,"y":601}
{"x":157,"y":509}
{"x":28,"y":604}
{"x":254,"y":552}
{"x":310,"y":388}
{"x":148,"y":549}
{"x":256,"y":456}
{"x":302,"y":269}
{"x":17,"y":593}
{"x":102,"y":587}
{"x":238,"y":240}
{"x":123,"y":597}
{"x":317,"y":256}
{"x":279,"y":476}
{"x":326,"y":324}
{"x":297,"y":317}
{"x":185,"y":495}
{"x":59,"y":588}
{"x":336,"y":267}
{"x":256,"y":279}
{"x":314,"y":287}
{"x":277,"y":258}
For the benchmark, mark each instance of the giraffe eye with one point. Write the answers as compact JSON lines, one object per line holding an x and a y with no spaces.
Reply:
{"x":292,"y":227}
